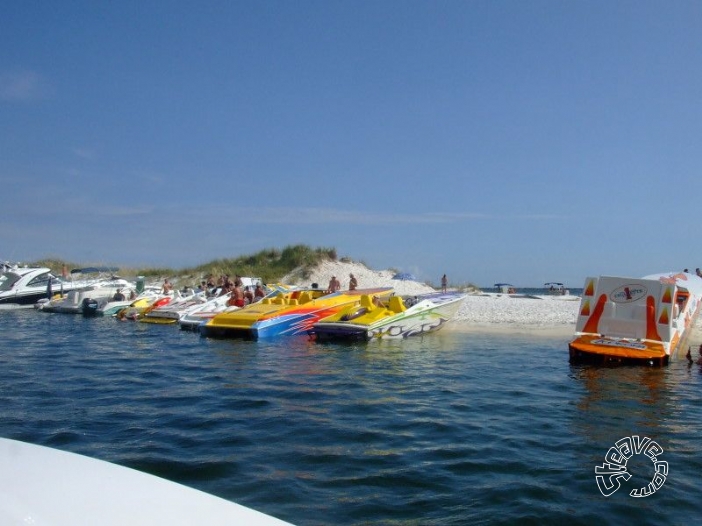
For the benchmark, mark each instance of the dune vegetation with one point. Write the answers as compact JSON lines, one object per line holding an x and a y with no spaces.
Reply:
{"x":269,"y":264}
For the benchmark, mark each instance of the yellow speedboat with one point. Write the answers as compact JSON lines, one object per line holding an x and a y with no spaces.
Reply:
{"x":286,"y":314}
{"x":141,"y":307}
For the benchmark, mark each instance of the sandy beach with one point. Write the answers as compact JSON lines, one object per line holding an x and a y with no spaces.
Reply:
{"x":483,"y":313}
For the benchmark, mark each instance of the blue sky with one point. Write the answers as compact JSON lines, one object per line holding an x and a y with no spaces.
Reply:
{"x":490,"y":140}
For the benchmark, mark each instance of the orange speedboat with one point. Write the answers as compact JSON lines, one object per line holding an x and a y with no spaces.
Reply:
{"x":635,"y":319}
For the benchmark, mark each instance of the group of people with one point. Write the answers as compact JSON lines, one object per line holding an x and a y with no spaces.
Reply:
{"x":119,"y":295}
{"x":240,"y":295}
{"x":243,"y":295}
{"x":335,"y":284}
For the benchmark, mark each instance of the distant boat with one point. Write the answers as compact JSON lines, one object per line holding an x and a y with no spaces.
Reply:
{"x":645,"y":319}
{"x":505,"y":288}
{"x":555,"y":287}
{"x":394,"y":317}
{"x":42,"y":485}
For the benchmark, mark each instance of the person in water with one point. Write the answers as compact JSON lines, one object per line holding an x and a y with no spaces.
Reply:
{"x":118,"y":296}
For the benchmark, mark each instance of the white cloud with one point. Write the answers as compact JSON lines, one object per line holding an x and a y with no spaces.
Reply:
{"x":302,"y":216}
{"x":291,"y":215}
{"x":21,"y":86}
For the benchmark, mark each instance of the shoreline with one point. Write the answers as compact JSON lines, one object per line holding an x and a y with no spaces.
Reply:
{"x":480,"y":312}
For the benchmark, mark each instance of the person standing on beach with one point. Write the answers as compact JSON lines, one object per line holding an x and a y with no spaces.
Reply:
{"x":353,"y":283}
{"x":444,"y":283}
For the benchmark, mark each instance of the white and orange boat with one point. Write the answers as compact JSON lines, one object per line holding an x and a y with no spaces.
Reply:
{"x":635,"y":319}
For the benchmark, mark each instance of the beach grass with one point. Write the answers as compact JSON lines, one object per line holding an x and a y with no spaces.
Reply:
{"x":269,"y":264}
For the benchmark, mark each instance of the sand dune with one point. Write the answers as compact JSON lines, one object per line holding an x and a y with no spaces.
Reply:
{"x":477,"y":311}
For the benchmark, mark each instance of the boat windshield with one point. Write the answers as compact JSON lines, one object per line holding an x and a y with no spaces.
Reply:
{"x":42,"y":280}
{"x":7,"y":280}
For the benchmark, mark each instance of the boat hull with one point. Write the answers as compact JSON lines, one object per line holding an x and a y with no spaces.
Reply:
{"x":283,"y":316}
{"x":21,"y":301}
{"x":41,"y":485}
{"x":430,"y":313}
{"x":291,"y":324}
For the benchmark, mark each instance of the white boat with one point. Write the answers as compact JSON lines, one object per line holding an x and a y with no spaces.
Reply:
{"x":23,"y":287}
{"x":102,"y":287}
{"x":41,"y":485}
{"x":551,"y":291}
{"x":111,"y":307}
{"x":175,"y":309}
{"x":624,"y":319}
{"x":199,"y":303}
{"x":202,"y":313}
{"x":393,"y":317}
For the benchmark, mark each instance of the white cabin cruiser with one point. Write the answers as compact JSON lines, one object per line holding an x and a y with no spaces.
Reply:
{"x":22,"y":287}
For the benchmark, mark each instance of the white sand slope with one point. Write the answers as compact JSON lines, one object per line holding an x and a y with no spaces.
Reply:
{"x":490,"y":312}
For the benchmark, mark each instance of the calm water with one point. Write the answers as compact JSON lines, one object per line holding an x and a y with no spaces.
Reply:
{"x":450,"y":428}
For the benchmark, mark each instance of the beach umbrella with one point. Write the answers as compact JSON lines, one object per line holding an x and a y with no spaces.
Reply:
{"x":404,"y":276}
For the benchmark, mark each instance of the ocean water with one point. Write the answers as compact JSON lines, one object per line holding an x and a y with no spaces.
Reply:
{"x":454,"y":427}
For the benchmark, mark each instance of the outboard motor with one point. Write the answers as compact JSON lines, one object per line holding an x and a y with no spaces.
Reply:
{"x":90,"y":307}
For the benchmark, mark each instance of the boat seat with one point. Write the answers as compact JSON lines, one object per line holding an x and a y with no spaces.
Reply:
{"x":279,"y":300}
{"x":623,"y":328}
{"x":304,"y":298}
{"x":395,"y":304}
{"x":293,"y":302}
{"x":266,"y":301}
{"x":367,"y":302}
